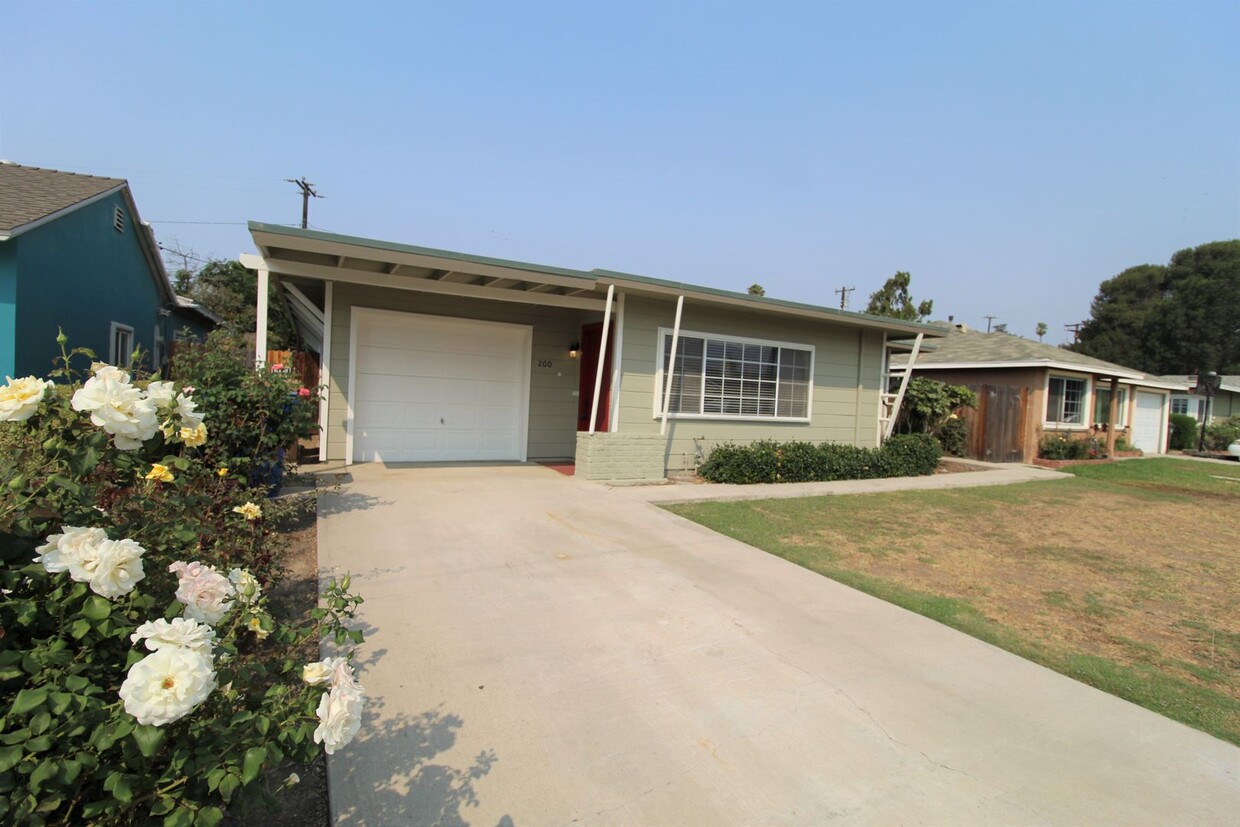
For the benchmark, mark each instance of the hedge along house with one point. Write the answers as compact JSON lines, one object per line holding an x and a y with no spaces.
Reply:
{"x":1027,"y":389}
{"x":431,"y":355}
{"x":74,"y":255}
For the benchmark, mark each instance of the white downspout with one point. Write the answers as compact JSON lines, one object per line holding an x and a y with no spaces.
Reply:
{"x":895,"y":407}
{"x":602,"y":358}
{"x":260,"y":322}
{"x":671,"y":365}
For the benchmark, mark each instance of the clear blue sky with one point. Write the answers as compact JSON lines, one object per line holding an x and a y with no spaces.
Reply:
{"x":1010,"y":155}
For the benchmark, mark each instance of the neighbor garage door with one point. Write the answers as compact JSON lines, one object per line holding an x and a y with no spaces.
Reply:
{"x":1147,"y":425}
{"x":434,"y":388}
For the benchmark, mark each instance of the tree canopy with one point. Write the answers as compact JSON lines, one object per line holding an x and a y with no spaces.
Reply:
{"x":894,"y":300}
{"x":1178,"y":318}
{"x":230,"y":291}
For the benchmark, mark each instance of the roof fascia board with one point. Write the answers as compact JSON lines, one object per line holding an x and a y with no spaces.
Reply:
{"x":343,"y":250}
{"x":338,"y":274}
{"x":50,"y":217}
{"x":774,"y":307}
{"x":1030,"y":363}
{"x":314,"y":241}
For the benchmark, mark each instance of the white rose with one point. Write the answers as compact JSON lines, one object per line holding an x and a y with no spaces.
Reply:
{"x":245,"y":585}
{"x":105,"y":371}
{"x":180,"y":632}
{"x":167,"y":684}
{"x":206,"y":594}
{"x":20,"y":398}
{"x":74,"y":550}
{"x":331,"y":671}
{"x":161,"y":394}
{"x":117,"y":568}
{"x":340,"y":716}
{"x":187,"y":409}
{"x":119,"y":408}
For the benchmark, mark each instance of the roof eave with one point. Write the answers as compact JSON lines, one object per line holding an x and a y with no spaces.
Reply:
{"x":1030,"y":363}
{"x":762,"y":303}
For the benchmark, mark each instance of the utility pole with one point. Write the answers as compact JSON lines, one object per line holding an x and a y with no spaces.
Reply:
{"x":989,"y":319}
{"x":844,"y":291}
{"x":1076,"y":330}
{"x":307,"y":190}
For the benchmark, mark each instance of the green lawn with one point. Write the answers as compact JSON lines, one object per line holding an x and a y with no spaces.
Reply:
{"x":1124,"y":577}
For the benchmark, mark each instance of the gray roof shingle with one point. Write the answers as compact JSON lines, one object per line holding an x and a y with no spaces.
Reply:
{"x":975,"y":348}
{"x":30,"y":193}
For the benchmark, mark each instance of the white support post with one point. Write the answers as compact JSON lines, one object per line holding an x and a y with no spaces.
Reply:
{"x":260,"y":323}
{"x":671,"y":365}
{"x":325,"y":369}
{"x":908,"y":372}
{"x":602,"y":357}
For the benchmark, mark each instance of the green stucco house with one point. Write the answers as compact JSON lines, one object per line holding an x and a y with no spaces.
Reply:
{"x":433,"y":355}
{"x":74,"y":255}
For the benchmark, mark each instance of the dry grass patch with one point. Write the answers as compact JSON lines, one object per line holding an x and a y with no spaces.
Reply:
{"x":1130,"y":588}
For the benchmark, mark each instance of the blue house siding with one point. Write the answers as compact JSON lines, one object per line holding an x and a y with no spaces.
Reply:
{"x":79,"y":274}
{"x":8,"y":312}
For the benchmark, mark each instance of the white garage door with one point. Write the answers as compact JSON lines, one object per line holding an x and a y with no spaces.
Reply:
{"x":430,"y":388}
{"x":1147,"y":426}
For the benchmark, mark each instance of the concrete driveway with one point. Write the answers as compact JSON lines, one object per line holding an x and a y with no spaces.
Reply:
{"x":546,"y":651}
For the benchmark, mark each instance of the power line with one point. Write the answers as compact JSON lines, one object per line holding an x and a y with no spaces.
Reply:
{"x":226,"y":223}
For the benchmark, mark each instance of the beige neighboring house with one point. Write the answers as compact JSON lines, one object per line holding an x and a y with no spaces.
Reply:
{"x":431,"y":355}
{"x":1224,"y":404}
{"x":1027,"y":389}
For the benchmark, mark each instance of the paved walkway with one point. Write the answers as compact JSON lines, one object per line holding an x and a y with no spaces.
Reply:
{"x":546,"y":651}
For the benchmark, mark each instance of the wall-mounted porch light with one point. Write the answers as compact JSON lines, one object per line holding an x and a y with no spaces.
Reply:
{"x":574,"y":350}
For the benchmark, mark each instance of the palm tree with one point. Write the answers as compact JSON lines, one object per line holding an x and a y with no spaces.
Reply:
{"x":1041,"y":330}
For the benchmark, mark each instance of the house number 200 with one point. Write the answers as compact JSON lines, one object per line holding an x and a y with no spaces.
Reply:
{"x":544,"y":363}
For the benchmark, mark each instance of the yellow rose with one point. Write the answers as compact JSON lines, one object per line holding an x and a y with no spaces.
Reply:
{"x":193,"y":437}
{"x":160,"y":473}
{"x":249,"y":510}
{"x":223,"y":472}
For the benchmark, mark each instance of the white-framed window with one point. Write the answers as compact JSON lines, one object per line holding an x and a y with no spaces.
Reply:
{"x":728,"y":377}
{"x":1066,"y":398}
{"x":121,"y":344}
{"x":1189,"y":406}
{"x":1102,"y":406}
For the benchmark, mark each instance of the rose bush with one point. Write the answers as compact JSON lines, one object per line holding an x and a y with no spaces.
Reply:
{"x":142,"y":677}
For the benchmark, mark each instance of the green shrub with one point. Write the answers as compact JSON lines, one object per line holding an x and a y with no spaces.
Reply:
{"x":932,"y":407}
{"x":909,"y":455}
{"x":1184,"y":432}
{"x":1222,"y":432}
{"x":112,"y":528}
{"x":262,"y":412}
{"x":767,"y":461}
{"x":1061,"y":446}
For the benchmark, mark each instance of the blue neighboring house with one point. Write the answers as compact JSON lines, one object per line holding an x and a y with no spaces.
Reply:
{"x":74,"y":254}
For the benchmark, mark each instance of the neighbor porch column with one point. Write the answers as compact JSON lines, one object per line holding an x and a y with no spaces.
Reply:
{"x":260,"y":321}
{"x":1113,"y":417}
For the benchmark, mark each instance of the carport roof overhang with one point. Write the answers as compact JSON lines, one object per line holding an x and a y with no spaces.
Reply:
{"x":316,"y":255}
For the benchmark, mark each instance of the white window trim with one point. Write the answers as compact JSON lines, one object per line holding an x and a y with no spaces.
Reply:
{"x":114,"y":357}
{"x":1086,"y":400}
{"x":657,"y":411}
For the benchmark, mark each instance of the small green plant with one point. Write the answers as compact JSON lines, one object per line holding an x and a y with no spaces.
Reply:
{"x":767,"y":461}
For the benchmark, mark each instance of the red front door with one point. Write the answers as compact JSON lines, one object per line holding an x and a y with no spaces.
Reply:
{"x":591,"y":344}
